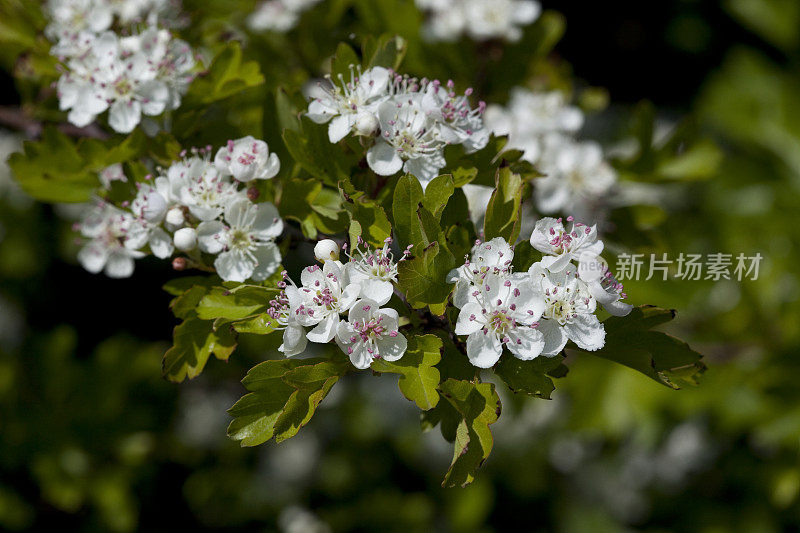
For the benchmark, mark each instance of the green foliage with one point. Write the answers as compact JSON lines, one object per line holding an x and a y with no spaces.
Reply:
{"x":502,"y":213}
{"x":530,"y":377}
{"x":228,"y":75}
{"x":478,"y":407}
{"x":57,"y":169}
{"x":194,"y":342}
{"x":630,"y":341}
{"x":419,"y":378}
{"x":283,"y":397}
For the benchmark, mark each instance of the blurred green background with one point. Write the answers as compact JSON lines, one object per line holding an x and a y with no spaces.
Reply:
{"x":92,"y":439}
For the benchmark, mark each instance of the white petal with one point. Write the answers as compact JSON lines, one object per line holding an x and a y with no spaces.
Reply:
{"x":325,"y":330}
{"x":119,"y":264}
{"x":93,"y":257}
{"x":269,"y":259}
{"x":294,"y":340}
{"x":210,"y":236}
{"x":232,"y":266}
{"x":125,"y":116}
{"x":392,"y":348}
{"x":587,"y":332}
{"x":339,"y":127}
{"x":526,"y":343}
{"x":383,"y":159}
{"x":160,"y":243}
{"x":470,"y":319}
{"x":554,"y":337}
{"x":483,"y":349}
{"x":377,"y":290}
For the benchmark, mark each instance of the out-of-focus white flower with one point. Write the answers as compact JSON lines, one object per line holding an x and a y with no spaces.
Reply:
{"x":479,"y":19}
{"x":531,"y":116}
{"x":576,"y":178}
{"x":247,"y":159}
{"x":278,"y":15}
{"x":371,"y":333}
{"x":459,"y":123}
{"x":112,"y":173}
{"x":149,"y":209}
{"x":245,"y":243}
{"x":106,"y":229}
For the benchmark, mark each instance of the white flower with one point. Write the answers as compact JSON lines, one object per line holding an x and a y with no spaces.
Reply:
{"x":350,"y":103}
{"x":112,"y":173}
{"x":245,"y":245}
{"x":409,"y":140}
{"x":294,"y":335}
{"x":493,"y":257}
{"x":107,"y":227}
{"x":278,"y":15}
{"x":531,"y":116}
{"x":202,"y":188}
{"x":324,"y":294}
{"x":459,"y":123}
{"x":569,"y":310}
{"x":562,"y":244}
{"x":503,"y":313}
{"x":247,"y":159}
{"x":371,"y":333}
{"x":375,"y":271}
{"x":480,"y":19}
{"x":576,"y":178}
{"x":149,"y":209}
{"x":326,"y":250}
{"x":69,"y":17}
{"x":608,"y":292}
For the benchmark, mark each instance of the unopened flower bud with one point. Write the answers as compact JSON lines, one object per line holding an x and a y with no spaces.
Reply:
{"x":253,"y":194}
{"x":179,"y":263}
{"x":185,"y":239}
{"x":325,"y":250}
{"x":366,"y":124}
{"x":175,"y":217}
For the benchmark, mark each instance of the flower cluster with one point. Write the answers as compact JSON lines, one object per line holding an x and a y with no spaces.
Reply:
{"x":278,"y":15}
{"x":69,"y":18}
{"x":536,"y":312}
{"x":410,"y":120}
{"x":481,"y":20}
{"x":145,"y":73}
{"x":357,"y":289}
{"x":195,"y":206}
{"x":577,"y":177}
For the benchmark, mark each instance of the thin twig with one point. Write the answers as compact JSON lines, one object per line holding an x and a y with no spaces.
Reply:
{"x":16,"y":118}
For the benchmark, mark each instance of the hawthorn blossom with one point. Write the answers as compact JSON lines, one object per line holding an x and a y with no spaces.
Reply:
{"x":106,"y":228}
{"x":112,"y":173}
{"x":493,"y":257}
{"x":503,"y":312}
{"x":576,"y":178}
{"x":294,"y":335}
{"x":370,"y":333}
{"x":374,"y":270}
{"x":202,"y":188}
{"x":247,"y":159}
{"x":562,"y":244}
{"x":409,"y":140}
{"x":459,"y":122}
{"x":245,"y":243}
{"x":326,"y":250}
{"x":142,"y":74}
{"x":324,"y":294}
{"x":568,"y":312}
{"x":149,"y":209}
{"x":351,"y":105}
{"x":609,"y":292}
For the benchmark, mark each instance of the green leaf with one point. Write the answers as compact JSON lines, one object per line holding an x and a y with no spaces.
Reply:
{"x":630,"y":341}
{"x":437,"y":194}
{"x":502,"y":213}
{"x":387,"y":51}
{"x":418,"y":375}
{"x":242,"y":302}
{"x":422,"y":278}
{"x":316,"y":155}
{"x":529,"y":377}
{"x":479,"y":407}
{"x":227,"y":76}
{"x":342,"y":61}
{"x":284,"y":395}
{"x":194,"y":341}
{"x":407,"y":198}
{"x":373,"y":225}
